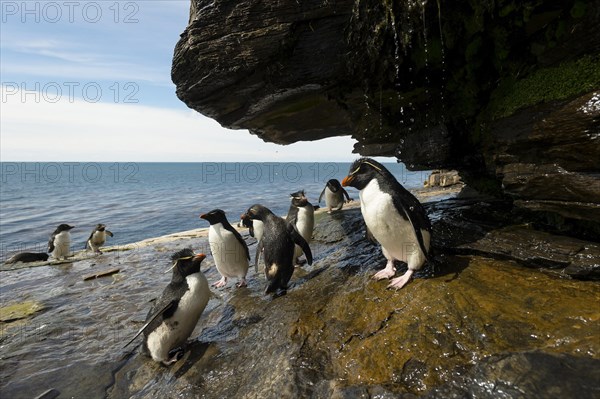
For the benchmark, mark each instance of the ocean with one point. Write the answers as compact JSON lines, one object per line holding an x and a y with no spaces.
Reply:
{"x":143,"y":200}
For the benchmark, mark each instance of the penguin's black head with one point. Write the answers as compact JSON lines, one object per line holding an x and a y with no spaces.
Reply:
{"x":64,"y":227}
{"x":257,"y":212}
{"x":100,"y":227}
{"x":362,"y":171}
{"x":246,"y":221}
{"x":334,"y":185}
{"x":186,"y":262}
{"x":299,"y":198}
{"x":215,"y":216}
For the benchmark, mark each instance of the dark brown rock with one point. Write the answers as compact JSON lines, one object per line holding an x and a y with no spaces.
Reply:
{"x":547,"y":157}
{"x":266,"y":67}
{"x":505,"y":93}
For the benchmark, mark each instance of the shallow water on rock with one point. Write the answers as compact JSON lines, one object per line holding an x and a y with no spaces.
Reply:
{"x":480,"y":327}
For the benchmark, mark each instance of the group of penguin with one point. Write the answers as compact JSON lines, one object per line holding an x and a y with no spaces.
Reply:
{"x":393,"y":216}
{"x":59,"y":244}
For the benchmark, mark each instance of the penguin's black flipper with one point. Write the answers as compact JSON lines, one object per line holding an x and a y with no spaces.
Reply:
{"x":164,"y":313}
{"x":109,"y":233}
{"x":51,"y":243}
{"x":346,"y":194}
{"x":259,"y":247}
{"x":238,"y":237}
{"x":322,"y":193}
{"x":415,"y":213}
{"x":243,"y":242}
{"x":87,"y":243}
{"x":298,"y":239}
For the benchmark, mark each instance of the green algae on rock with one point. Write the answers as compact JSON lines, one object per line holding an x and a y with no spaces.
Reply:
{"x":18,"y":311}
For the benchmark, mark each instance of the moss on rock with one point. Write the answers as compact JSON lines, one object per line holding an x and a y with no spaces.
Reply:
{"x":549,"y":84}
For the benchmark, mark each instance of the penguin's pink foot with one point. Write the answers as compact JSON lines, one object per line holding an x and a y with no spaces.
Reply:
{"x":388,"y":272}
{"x":175,"y":354}
{"x":221,"y":283}
{"x":242,"y":283}
{"x":401,"y":281}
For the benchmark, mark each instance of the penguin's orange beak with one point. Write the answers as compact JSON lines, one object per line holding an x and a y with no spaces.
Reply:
{"x":347,"y":181}
{"x":203,"y":216}
{"x":200,"y":257}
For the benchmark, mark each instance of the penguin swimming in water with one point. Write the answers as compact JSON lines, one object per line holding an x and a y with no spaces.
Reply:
{"x":228,"y":248}
{"x":255,"y":229}
{"x":174,"y":315}
{"x":59,"y":244}
{"x":301,"y":215}
{"x":334,"y":195}
{"x":394,"y":217}
{"x":279,"y":239}
{"x":26,"y":257}
{"x":97,"y":238}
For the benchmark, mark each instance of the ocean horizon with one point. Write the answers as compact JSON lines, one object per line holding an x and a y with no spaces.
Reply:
{"x":140,"y":200}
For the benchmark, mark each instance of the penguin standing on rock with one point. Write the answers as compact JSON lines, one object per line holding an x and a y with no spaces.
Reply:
{"x":394,"y":217}
{"x":59,"y":244}
{"x":255,"y":229}
{"x":334,"y":195}
{"x":301,"y":215}
{"x":97,"y":238}
{"x":176,"y":312}
{"x":228,"y":248}
{"x":279,"y":239}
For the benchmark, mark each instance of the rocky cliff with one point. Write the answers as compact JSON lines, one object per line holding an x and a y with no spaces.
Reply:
{"x":506,"y":92}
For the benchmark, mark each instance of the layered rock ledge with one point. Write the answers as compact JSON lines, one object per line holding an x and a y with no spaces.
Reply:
{"x":507,"y":93}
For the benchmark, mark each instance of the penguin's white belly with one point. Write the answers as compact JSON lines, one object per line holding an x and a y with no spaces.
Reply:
{"x":228,"y":253}
{"x":62,"y":245}
{"x":333,"y":200}
{"x":98,"y":239}
{"x":395,"y":234}
{"x":259,"y":229}
{"x":304,"y":224}
{"x":173,"y":332}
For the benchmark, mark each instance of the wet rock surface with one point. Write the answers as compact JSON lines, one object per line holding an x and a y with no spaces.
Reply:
{"x":480,"y":325}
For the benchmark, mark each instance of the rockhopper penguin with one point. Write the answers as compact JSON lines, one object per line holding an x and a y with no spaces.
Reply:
{"x":97,"y":238}
{"x":301,"y":215}
{"x":279,"y":239}
{"x":228,"y":248}
{"x":176,"y":312}
{"x":255,"y":229}
{"x":334,"y":195}
{"x":394,"y":217}
{"x":59,"y":244}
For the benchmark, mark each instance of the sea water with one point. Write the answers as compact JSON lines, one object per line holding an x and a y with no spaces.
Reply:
{"x":143,"y":200}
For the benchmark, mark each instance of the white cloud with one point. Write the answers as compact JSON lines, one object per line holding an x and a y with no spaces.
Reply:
{"x":77,"y":130}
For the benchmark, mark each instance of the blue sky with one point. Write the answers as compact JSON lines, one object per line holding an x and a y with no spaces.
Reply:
{"x":90,"y":80}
